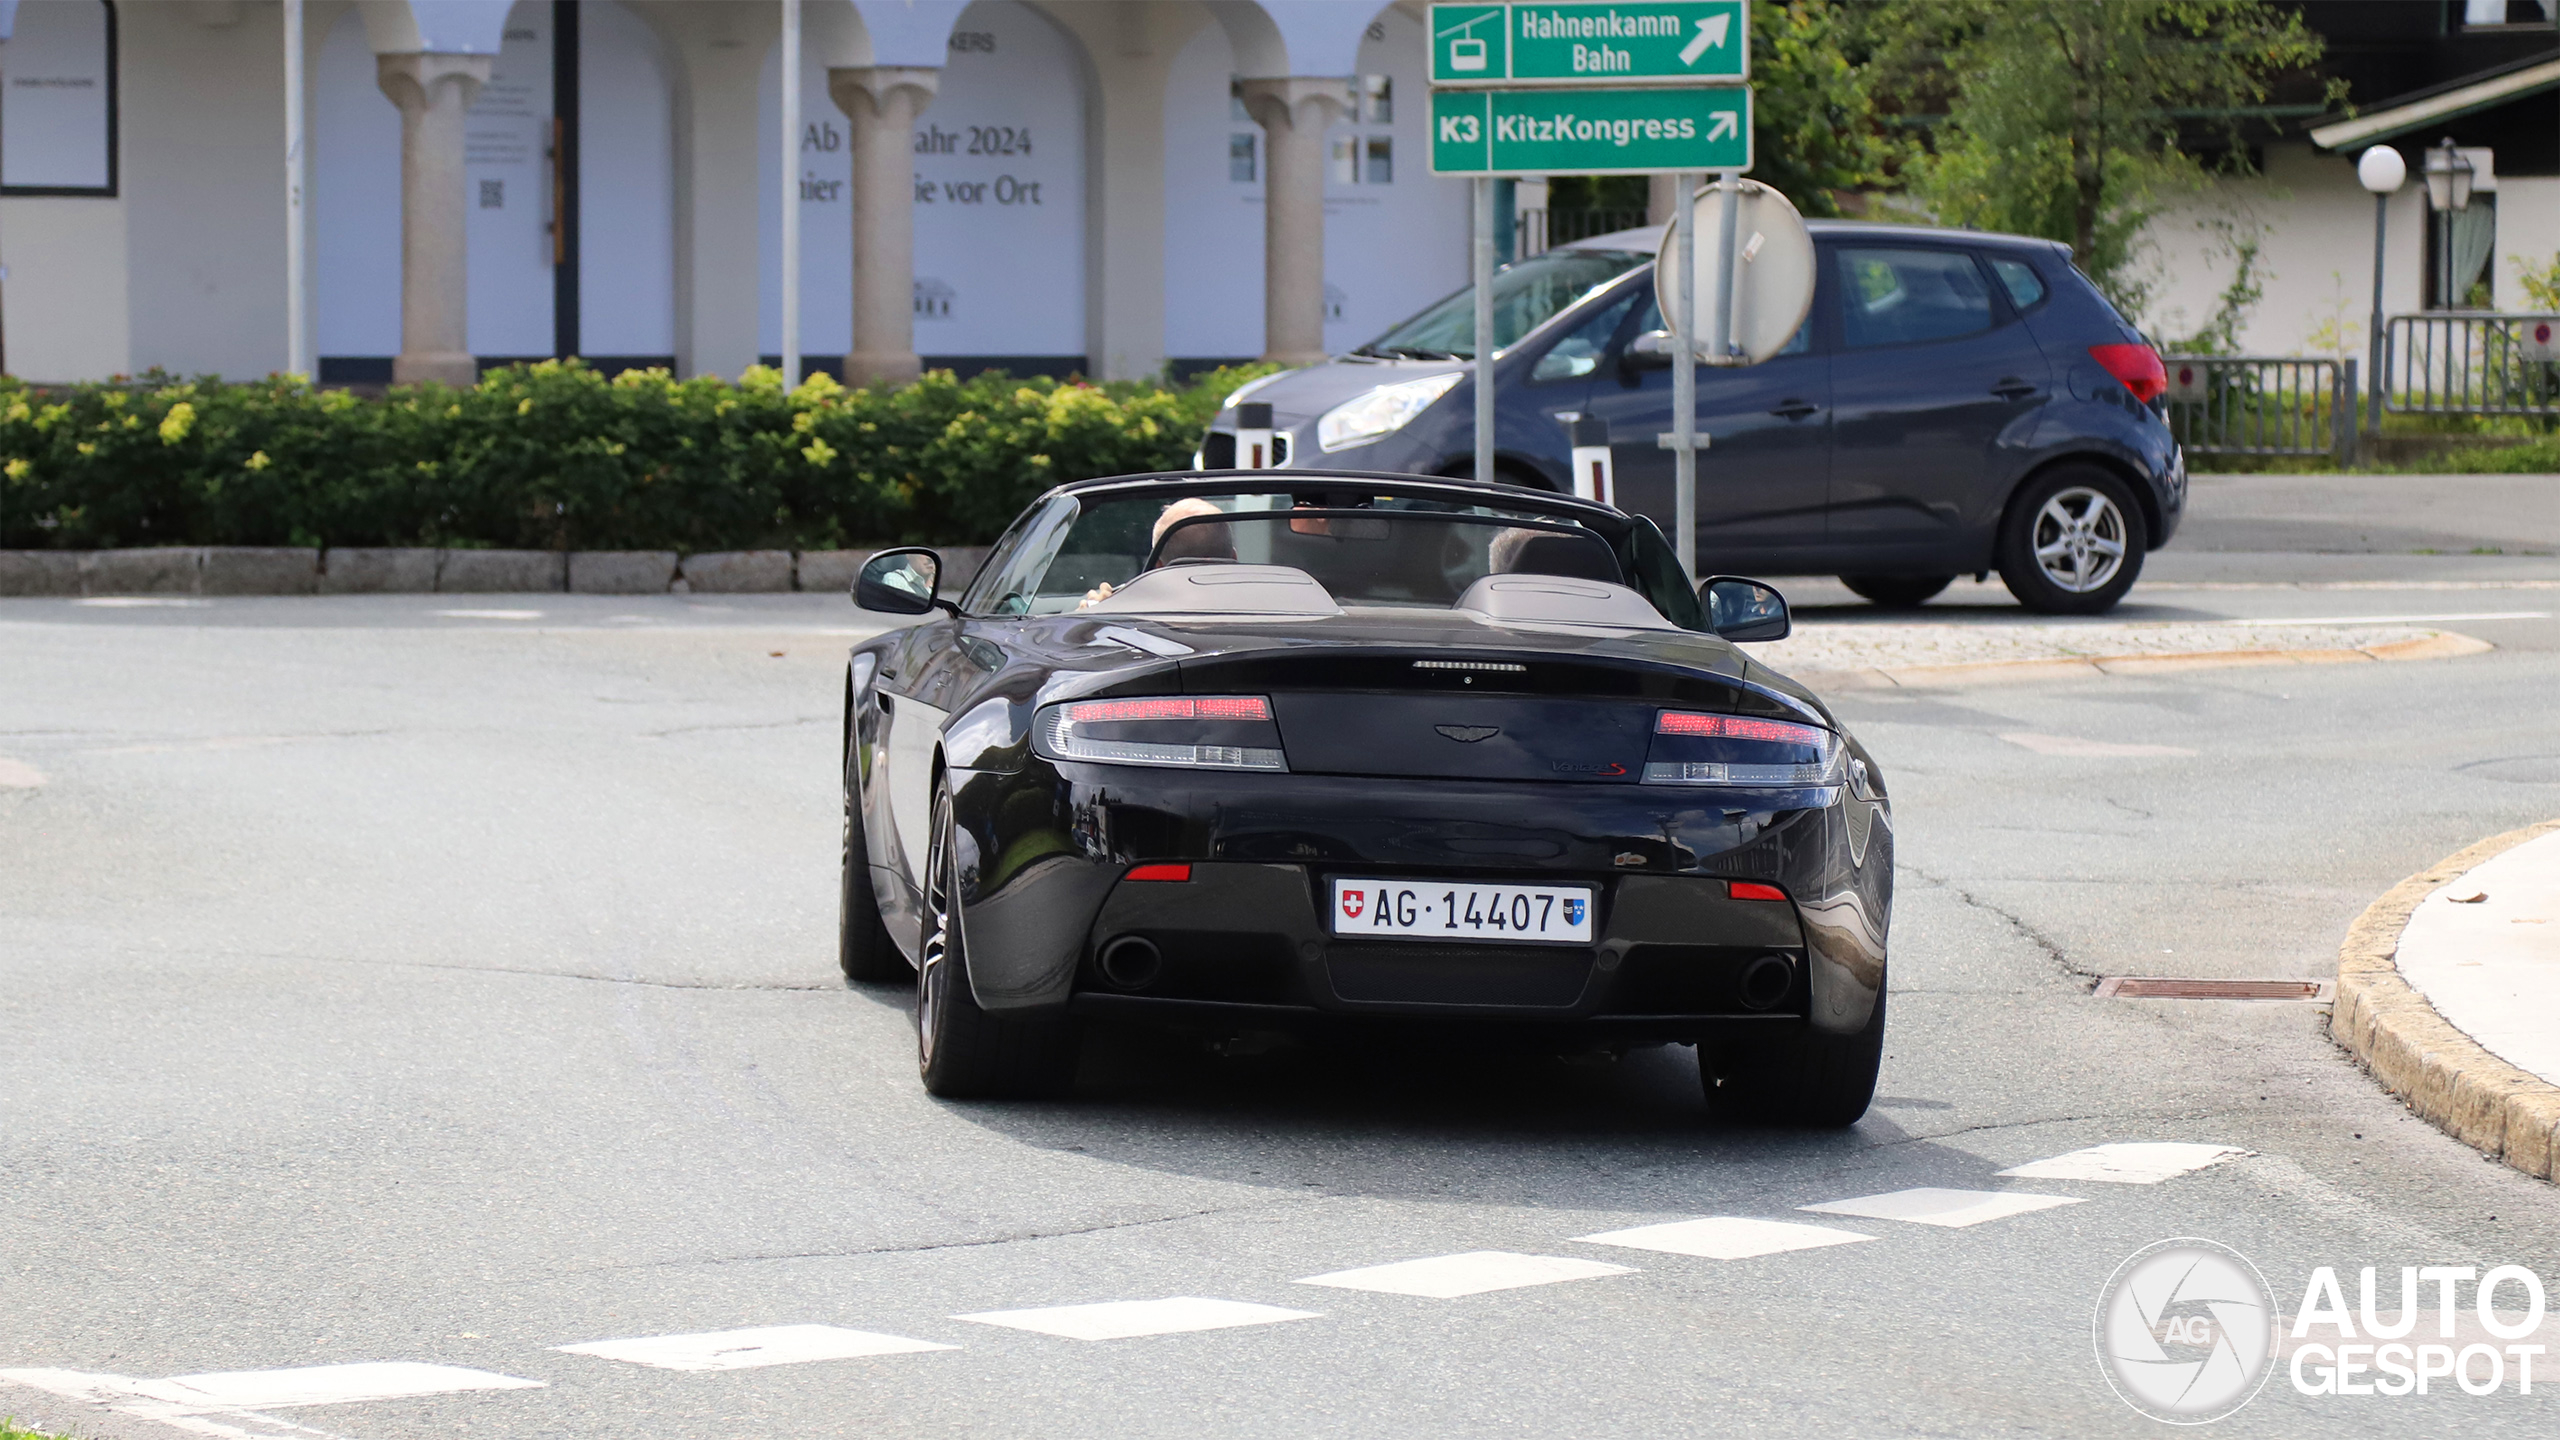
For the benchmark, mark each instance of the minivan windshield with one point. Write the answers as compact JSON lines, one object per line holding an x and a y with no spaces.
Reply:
{"x":1525,"y":296}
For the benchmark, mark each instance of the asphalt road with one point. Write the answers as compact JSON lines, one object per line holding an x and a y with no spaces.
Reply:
{"x":385,"y":983}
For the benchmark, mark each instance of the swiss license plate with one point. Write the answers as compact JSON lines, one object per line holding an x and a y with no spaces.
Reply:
{"x":1463,"y":910}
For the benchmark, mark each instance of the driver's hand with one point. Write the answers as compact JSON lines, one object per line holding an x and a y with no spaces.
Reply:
{"x":1095,"y":596}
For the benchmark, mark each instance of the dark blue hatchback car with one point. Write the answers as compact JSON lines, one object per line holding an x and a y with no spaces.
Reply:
{"x":1956,"y":403}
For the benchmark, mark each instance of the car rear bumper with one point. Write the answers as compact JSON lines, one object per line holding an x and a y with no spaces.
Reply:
{"x":1044,"y":852}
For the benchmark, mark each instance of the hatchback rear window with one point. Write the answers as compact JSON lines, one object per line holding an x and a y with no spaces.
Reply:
{"x":1896,"y":296}
{"x":2019,"y":278}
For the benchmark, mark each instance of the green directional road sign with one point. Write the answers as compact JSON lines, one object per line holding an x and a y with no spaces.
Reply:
{"x":1592,"y":42}
{"x":1589,"y":132}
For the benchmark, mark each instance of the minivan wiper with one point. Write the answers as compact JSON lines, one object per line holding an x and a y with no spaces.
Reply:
{"x":1407,"y":352}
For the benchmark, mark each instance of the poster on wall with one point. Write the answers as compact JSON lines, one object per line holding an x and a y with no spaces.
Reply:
{"x":507,"y":161}
{"x":999,"y":201}
{"x":58,"y":100}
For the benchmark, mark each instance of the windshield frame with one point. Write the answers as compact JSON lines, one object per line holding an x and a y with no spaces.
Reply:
{"x":1458,"y":306}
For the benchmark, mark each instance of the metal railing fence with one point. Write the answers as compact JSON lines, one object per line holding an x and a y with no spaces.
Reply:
{"x":2262,"y":405}
{"x":2472,"y":362}
{"x":1543,"y":230}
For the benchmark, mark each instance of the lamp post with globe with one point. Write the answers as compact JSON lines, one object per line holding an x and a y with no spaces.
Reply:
{"x":2449,"y":191}
{"x":2382,"y":171}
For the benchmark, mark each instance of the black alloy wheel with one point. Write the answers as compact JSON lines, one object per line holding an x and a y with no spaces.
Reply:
{"x":962,"y":1050}
{"x":863,"y":947}
{"x":2072,"y":542}
{"x":1896,"y":592}
{"x":1807,"y":1077}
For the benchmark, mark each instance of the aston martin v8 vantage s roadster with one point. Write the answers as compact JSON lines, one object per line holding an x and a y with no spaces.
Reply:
{"x":1267,"y":750}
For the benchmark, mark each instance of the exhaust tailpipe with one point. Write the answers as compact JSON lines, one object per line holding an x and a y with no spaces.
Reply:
{"x":1767,"y":981}
{"x":1132,"y":962}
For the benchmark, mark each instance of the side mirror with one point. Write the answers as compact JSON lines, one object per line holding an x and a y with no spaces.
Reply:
{"x":1651,"y":350}
{"x":899,"y":582}
{"x":1740,"y":609}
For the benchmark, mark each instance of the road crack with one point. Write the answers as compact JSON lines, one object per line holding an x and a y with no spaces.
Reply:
{"x":2017,"y":924}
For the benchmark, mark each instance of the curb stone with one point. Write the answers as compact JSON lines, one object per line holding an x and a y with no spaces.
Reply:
{"x":39,"y":572}
{"x":2418,"y":1055}
{"x":158,"y":570}
{"x":737,"y":572}
{"x":259,"y":570}
{"x":358,"y":570}
{"x":621,"y":572}
{"x":831,"y":569}
{"x":501,"y":572}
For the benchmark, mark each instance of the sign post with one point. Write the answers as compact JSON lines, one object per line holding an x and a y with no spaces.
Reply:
{"x":1601,"y":87}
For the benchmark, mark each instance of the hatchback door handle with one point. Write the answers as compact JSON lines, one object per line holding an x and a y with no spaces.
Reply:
{"x":2010,"y":387}
{"x":1795,"y":409}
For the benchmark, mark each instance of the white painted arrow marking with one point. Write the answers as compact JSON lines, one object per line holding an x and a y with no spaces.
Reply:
{"x":1710,"y":36}
{"x":1722,"y":125}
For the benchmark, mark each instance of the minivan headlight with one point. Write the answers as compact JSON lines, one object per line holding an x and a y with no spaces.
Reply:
{"x":1382,"y":411}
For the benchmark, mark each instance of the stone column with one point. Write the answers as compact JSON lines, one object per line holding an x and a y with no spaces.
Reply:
{"x":1293,"y":113}
{"x":880,"y":105}
{"x":433,"y":90}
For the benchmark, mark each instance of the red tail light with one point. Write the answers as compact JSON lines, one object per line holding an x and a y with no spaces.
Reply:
{"x":1746,"y":890}
{"x":1159,"y":872}
{"x":1176,"y":707}
{"x":1736,"y":727}
{"x":2136,"y":367}
{"x":1209,"y":732}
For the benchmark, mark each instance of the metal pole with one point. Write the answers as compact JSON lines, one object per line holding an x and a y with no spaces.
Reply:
{"x":297,"y":332}
{"x":790,"y":194}
{"x":1726,"y":224}
{"x":2373,"y":407}
{"x":1484,"y":327}
{"x":1684,"y":378}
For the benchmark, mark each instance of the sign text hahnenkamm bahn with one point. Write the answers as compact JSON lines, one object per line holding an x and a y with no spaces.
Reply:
{"x":1615,"y":42}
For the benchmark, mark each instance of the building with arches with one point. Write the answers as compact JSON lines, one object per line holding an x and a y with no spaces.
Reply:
{"x":1046,"y":186}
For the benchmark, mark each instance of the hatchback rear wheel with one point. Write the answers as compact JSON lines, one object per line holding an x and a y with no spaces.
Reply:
{"x":2072,"y":542}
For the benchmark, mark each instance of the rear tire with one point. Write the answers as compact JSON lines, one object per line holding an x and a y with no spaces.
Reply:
{"x":1896,"y":592}
{"x":963,"y":1051}
{"x":2072,"y":542}
{"x":1804,"y":1077}
{"x":863,"y":948}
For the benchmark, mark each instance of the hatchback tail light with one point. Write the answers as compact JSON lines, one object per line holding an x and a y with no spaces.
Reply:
{"x":1205,"y":732}
{"x":2136,"y":367}
{"x":1691,"y":748}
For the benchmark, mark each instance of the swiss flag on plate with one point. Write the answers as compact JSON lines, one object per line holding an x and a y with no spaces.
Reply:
{"x":1352,"y":900}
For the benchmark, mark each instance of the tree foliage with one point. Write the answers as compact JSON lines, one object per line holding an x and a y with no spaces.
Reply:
{"x":2073,"y":119}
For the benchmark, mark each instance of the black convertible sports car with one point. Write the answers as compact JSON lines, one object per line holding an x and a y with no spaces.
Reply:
{"x":1258,"y":750}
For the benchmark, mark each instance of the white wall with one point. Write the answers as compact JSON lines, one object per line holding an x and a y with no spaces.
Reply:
{"x":2316,"y":260}
{"x":1391,"y":249}
{"x":202,"y":127}
{"x":66,"y":300}
{"x":999,"y":249}
{"x":354,"y":134}
{"x":507,"y":178}
{"x":1212,"y":225}
{"x":626,"y":186}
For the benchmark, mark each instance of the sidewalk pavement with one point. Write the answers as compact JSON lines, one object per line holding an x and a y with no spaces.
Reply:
{"x":1856,"y":655}
{"x":2449,"y":991}
{"x":2485,"y":951}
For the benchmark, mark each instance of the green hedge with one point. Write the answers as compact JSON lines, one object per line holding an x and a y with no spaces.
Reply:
{"x":557,"y":456}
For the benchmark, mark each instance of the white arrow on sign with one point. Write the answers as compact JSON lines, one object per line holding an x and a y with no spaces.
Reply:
{"x":1710,"y":36}
{"x":1723,"y":125}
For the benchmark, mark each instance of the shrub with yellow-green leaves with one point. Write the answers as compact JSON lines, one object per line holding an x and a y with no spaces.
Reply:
{"x":559,"y":456}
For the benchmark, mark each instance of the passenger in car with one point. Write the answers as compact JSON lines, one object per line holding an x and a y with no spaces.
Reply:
{"x":1191,"y":542}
